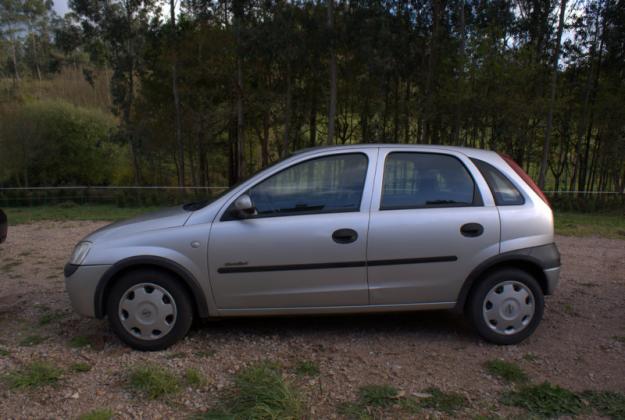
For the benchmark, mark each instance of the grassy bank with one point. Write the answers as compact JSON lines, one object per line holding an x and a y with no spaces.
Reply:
{"x":610,"y":225}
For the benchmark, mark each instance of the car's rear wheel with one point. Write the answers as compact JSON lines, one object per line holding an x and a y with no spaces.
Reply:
{"x":149,"y":309}
{"x":507,"y":306}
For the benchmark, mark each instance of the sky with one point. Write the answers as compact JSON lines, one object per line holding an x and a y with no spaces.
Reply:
{"x":60,"y":7}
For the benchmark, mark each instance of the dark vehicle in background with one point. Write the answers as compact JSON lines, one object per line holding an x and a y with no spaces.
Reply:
{"x":4,"y":226}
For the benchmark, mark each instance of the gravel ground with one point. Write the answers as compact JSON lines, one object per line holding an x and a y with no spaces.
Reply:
{"x":580,"y":344}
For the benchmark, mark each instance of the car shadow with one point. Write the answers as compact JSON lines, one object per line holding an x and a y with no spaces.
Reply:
{"x":440,"y":325}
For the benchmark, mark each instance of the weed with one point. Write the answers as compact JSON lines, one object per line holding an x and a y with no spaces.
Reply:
{"x":193,"y":377}
{"x":49,"y":317}
{"x":378,"y":395}
{"x":307,"y":368}
{"x":79,"y":341}
{"x":259,"y":392}
{"x":545,"y":400}
{"x":4,"y":352}
{"x":607,"y":403}
{"x":98,"y":414}
{"x":177,"y":355}
{"x":569,"y":310}
{"x":80,"y":367}
{"x":153,"y":381}
{"x":32,"y":340}
{"x":447,"y":402}
{"x":510,"y":372}
{"x":205,"y":353}
{"x":33,"y":375}
{"x":530,"y":357}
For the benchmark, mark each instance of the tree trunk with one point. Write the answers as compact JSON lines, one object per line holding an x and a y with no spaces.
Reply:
{"x":312,"y":120}
{"x":287,"y":113}
{"x":333,"y":88}
{"x":174,"y":87}
{"x":554,"y":80}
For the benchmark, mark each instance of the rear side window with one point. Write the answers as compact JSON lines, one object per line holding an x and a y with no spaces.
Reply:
{"x":504,"y":192}
{"x":418,"y":180}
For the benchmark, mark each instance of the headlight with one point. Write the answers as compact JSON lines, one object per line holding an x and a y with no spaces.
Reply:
{"x":80,"y":253}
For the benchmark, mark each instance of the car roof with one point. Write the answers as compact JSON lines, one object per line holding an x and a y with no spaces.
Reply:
{"x":468,"y":151}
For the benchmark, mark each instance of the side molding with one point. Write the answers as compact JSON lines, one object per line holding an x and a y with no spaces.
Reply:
{"x":534,"y":259}
{"x":152,"y":261}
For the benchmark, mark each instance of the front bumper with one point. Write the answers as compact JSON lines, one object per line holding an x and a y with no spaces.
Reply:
{"x":553,"y":279}
{"x":81,"y":282}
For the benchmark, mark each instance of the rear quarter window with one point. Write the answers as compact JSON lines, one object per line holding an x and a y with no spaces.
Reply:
{"x":504,"y":191}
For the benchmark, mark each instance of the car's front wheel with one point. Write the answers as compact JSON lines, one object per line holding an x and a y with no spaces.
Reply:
{"x":149,"y":309}
{"x":507,"y":306}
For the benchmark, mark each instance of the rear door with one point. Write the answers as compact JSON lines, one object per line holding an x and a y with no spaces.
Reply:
{"x":430,"y":226}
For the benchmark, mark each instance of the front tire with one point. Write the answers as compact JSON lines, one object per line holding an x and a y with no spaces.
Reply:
{"x":149,"y":309}
{"x":507,"y":306}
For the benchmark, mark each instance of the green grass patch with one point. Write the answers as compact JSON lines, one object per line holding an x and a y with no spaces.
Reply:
{"x":20,"y":215}
{"x":97,"y":414}
{"x":153,"y":382}
{"x":50,"y":317}
{"x":306,"y":368}
{"x":80,"y":367}
{"x":545,"y":400}
{"x":609,"y":225}
{"x":446,"y":402}
{"x":509,"y":372}
{"x":32,"y":340}
{"x":4,"y":352}
{"x":33,"y":375}
{"x":607,"y":403}
{"x":79,"y":342}
{"x":378,"y":395}
{"x":193,"y":377}
{"x":259,"y":392}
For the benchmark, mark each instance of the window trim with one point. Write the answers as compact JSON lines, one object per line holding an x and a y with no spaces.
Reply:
{"x":477,"y":195}
{"x":226,"y":216}
{"x":478,"y":163}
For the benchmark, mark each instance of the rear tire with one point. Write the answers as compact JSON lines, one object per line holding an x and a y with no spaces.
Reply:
{"x":506,"y":306}
{"x":149,"y":309}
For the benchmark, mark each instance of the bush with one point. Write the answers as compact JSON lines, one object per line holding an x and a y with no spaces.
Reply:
{"x":56,"y":143}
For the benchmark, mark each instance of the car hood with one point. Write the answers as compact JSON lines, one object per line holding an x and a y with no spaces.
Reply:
{"x":162,"y":219}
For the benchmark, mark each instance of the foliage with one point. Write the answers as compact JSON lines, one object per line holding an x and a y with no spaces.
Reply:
{"x":447,"y":402}
{"x":32,"y":340}
{"x":33,"y":375}
{"x":79,"y":341}
{"x":193,"y":377}
{"x":55,"y":143}
{"x":510,"y":372}
{"x":307,"y":368}
{"x":545,"y":400}
{"x":97,"y":414}
{"x":259,"y":392}
{"x":80,"y":367}
{"x":378,"y":395}
{"x":153,"y":381}
{"x":19,"y":215}
{"x":607,"y":403}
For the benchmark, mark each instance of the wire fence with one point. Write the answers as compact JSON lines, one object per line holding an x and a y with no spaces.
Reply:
{"x":138,"y":196}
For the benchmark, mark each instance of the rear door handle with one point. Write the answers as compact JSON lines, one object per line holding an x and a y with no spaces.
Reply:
{"x":344,"y":236}
{"x":472,"y":230}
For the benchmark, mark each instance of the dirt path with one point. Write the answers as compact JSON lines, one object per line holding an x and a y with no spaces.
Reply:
{"x":580,"y":344}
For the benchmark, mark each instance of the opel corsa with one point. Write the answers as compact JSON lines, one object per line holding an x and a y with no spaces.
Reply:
{"x":364,"y":228}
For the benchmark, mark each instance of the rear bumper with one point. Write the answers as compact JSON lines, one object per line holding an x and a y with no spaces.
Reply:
{"x":553,"y":279}
{"x":81,"y":283}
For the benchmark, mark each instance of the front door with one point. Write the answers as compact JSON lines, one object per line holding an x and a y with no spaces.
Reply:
{"x":429,"y":228}
{"x":306,"y":246}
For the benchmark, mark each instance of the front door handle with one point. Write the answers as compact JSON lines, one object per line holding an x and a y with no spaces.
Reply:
{"x":472,"y":230}
{"x":344,"y":236}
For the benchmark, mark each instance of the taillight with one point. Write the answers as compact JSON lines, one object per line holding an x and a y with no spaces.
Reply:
{"x":525,"y":177}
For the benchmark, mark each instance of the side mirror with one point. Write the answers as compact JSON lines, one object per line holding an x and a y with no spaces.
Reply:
{"x":243,"y":207}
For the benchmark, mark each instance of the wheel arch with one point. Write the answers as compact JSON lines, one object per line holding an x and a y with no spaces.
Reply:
{"x":524,"y":262}
{"x":141,"y":262}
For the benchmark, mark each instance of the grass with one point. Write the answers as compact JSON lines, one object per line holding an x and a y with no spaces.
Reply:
{"x":607,"y":403}
{"x":307,"y":368}
{"x":509,"y":372}
{"x":4,"y":352}
{"x":80,"y":367}
{"x":609,"y":225}
{"x":193,"y":377}
{"x":153,"y":382}
{"x":79,"y":341}
{"x":32,"y":340}
{"x":258,"y":392}
{"x":446,"y":402}
{"x":50,"y":317}
{"x":20,"y":215}
{"x":33,"y":375}
{"x":545,"y":400}
{"x":378,"y":395}
{"x":97,"y":414}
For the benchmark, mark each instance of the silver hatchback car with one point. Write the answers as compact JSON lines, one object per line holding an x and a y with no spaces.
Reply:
{"x":362,"y":228}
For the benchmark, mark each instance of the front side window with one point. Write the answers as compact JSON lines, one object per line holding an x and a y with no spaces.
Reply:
{"x":418,"y":180}
{"x":323,"y":185}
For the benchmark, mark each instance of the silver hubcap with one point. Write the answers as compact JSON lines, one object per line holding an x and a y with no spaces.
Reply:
{"x":147,"y":311}
{"x":508,"y":307}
